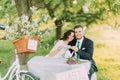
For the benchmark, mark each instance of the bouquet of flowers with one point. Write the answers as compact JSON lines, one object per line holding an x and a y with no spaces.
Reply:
{"x":72,"y":60}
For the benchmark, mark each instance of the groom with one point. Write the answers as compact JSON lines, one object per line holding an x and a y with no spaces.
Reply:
{"x":85,"y":48}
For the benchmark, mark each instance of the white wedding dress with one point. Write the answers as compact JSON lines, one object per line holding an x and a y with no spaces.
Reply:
{"x":64,"y":52}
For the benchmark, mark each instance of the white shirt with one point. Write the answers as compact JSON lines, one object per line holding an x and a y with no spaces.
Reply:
{"x":81,"y":40}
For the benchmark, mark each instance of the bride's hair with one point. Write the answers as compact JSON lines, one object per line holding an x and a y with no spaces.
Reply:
{"x":66,"y":34}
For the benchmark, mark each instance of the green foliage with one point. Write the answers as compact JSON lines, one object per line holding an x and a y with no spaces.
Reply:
{"x":70,"y":11}
{"x":7,"y":7}
{"x":114,"y":5}
{"x":67,"y":10}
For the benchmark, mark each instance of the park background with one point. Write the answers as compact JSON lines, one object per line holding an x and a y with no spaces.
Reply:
{"x":101,"y":19}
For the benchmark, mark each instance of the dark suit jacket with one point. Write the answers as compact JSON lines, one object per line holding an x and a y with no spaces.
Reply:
{"x":86,"y":51}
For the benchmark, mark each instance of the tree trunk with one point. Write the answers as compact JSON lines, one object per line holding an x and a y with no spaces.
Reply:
{"x":58,"y":24}
{"x":58,"y":32}
{"x":23,"y":7}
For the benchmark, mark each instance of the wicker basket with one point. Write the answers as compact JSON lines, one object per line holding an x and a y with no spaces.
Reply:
{"x":25,"y":45}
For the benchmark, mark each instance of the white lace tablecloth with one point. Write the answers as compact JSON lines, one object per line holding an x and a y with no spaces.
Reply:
{"x":47,"y":68}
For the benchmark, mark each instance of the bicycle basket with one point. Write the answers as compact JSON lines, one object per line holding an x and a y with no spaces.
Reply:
{"x":25,"y":45}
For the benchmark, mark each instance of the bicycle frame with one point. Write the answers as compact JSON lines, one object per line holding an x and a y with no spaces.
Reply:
{"x":14,"y":69}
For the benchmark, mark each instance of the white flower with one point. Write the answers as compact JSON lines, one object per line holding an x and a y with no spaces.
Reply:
{"x":85,"y":9}
{"x":7,"y":28}
{"x":33,"y":8}
{"x":74,"y":1}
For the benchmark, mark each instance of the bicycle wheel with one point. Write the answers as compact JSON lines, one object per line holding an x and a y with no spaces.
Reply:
{"x":27,"y":76}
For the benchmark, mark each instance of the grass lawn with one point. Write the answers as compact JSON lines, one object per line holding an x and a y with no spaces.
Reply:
{"x":106,"y":54}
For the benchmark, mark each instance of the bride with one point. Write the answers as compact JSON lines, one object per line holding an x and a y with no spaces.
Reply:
{"x":61,"y":47}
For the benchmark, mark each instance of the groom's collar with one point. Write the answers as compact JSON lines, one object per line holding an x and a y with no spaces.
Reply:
{"x":80,"y":40}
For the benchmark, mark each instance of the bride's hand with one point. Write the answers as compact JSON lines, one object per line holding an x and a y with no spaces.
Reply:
{"x":74,"y":48}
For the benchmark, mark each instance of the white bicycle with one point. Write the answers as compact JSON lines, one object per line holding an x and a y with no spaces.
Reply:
{"x":14,"y":72}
